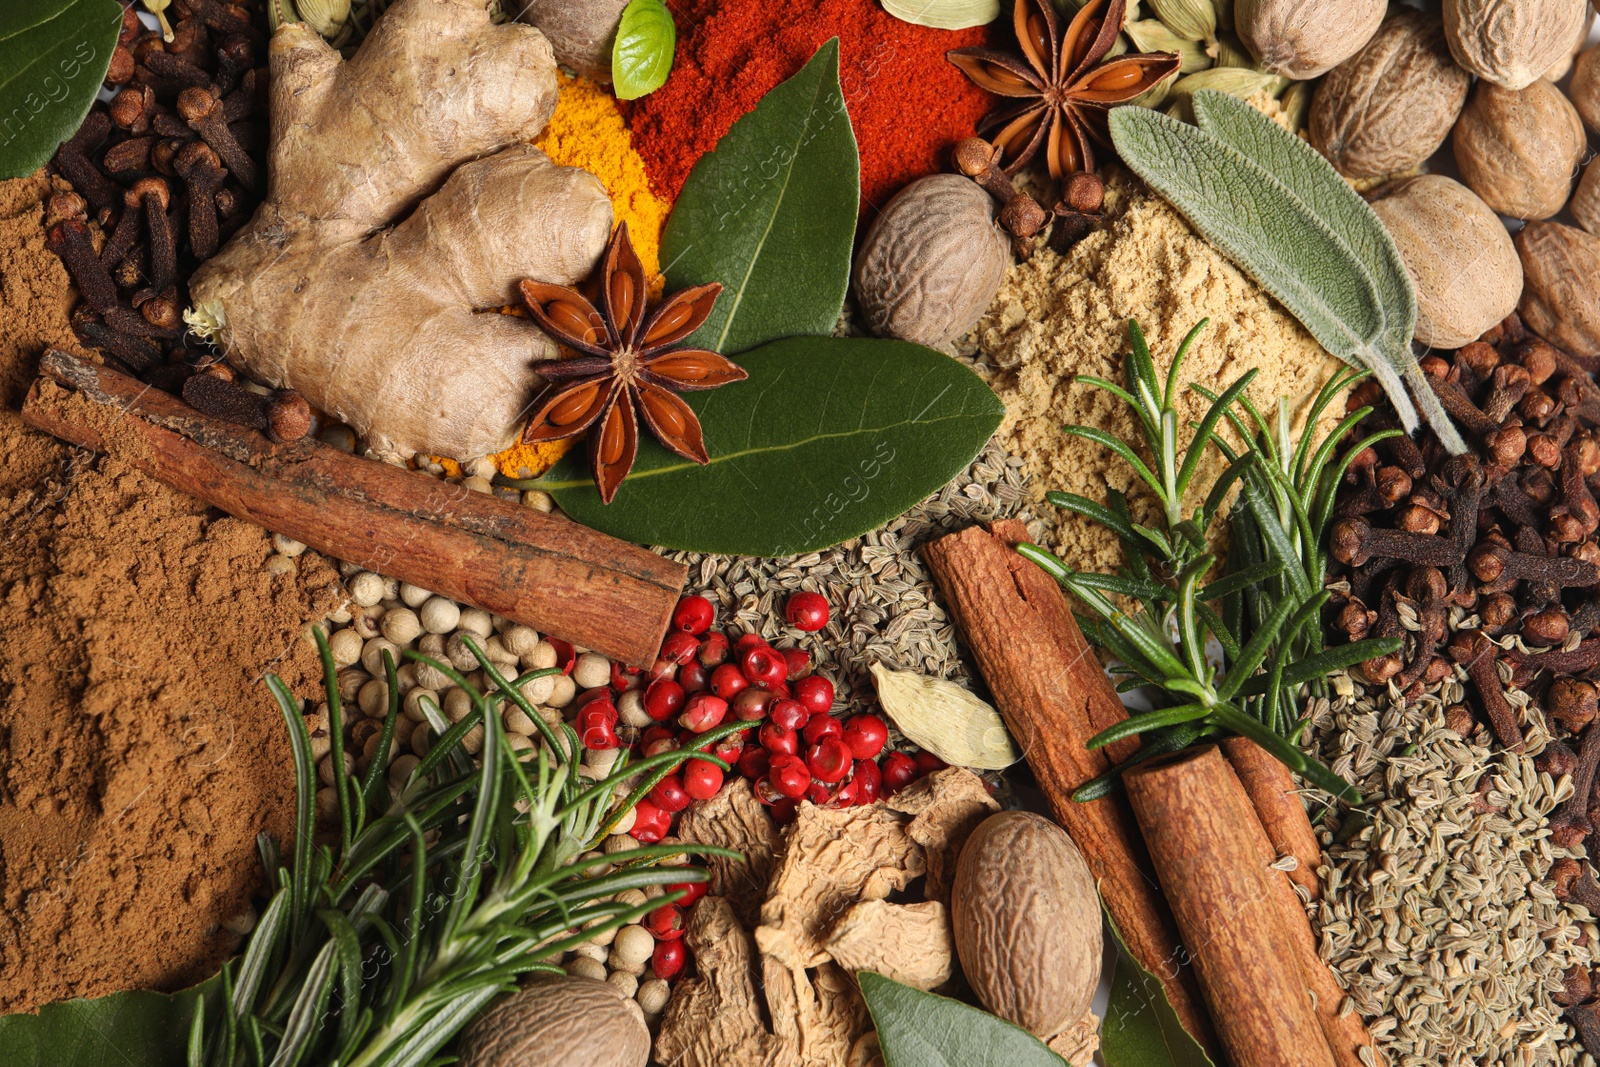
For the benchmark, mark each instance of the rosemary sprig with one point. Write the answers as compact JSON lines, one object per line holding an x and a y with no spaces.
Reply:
{"x":375,"y":953}
{"x":1267,"y":615}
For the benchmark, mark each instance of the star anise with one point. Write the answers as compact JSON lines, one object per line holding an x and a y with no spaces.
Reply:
{"x":1064,"y":83}
{"x":626,"y":361}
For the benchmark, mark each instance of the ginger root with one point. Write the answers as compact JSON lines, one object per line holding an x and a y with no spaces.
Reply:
{"x":404,"y":201}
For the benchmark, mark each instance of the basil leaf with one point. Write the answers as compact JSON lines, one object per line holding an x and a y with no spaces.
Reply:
{"x":827,"y":439}
{"x":1140,"y":1028}
{"x":641,"y":57}
{"x":771,"y":214}
{"x":53,"y":55}
{"x":129,"y":1029}
{"x":917,"y":1029}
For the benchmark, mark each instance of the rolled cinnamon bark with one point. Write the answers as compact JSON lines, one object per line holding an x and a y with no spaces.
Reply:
{"x":1054,"y":695}
{"x":1275,"y":795}
{"x":546,"y":572}
{"x":1206,"y":844}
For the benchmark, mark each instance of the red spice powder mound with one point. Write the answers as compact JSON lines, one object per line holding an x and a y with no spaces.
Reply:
{"x":908,"y":104}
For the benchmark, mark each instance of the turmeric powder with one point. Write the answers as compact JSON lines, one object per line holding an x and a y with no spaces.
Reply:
{"x":587,"y":131}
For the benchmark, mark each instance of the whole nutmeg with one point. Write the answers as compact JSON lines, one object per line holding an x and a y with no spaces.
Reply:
{"x":1390,"y":106}
{"x":1561,"y":301}
{"x":1026,"y":919}
{"x":559,"y":1022}
{"x":1563,"y":66}
{"x":932,"y":262}
{"x":1511,"y":42}
{"x":1458,"y":254}
{"x":1519,"y":148}
{"x":1303,"y":39}
{"x":581,"y":32}
{"x":1584,"y":89}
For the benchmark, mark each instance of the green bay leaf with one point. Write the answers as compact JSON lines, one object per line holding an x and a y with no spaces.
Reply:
{"x":53,"y":57}
{"x":771,"y":214}
{"x":641,"y":56}
{"x":917,"y":1029}
{"x":136,"y":1028}
{"x":1140,"y":1028}
{"x":827,"y":439}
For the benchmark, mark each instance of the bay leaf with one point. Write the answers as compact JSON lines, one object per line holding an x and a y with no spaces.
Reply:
{"x":1140,"y":1028}
{"x":917,"y":1029}
{"x":827,"y":439}
{"x":771,"y":214}
{"x":945,"y":719}
{"x":136,"y":1028}
{"x":944,"y":14}
{"x":53,"y":57}
{"x":641,"y":55}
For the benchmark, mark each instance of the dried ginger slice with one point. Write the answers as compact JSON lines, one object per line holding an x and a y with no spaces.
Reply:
{"x":735,"y":819}
{"x":818,"y":1015}
{"x":910,"y":943}
{"x":946,"y":808}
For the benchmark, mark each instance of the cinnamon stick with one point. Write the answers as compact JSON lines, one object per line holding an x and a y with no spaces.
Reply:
{"x":540,"y":570}
{"x":1054,"y":696}
{"x":1276,"y":798}
{"x":1205,"y":842}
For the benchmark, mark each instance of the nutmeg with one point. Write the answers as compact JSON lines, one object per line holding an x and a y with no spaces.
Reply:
{"x":1584,"y":89}
{"x":1585,"y":202}
{"x":1390,"y":106}
{"x":1561,"y":302}
{"x":1303,"y":39}
{"x":581,"y":32}
{"x":1519,"y":149}
{"x":1511,"y":42}
{"x":1458,"y":254}
{"x":932,"y":262}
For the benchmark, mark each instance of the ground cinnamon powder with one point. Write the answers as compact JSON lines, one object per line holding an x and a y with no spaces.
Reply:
{"x":1060,"y":316}
{"x":140,"y":753}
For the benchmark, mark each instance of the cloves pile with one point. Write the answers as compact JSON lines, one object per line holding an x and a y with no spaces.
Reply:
{"x":160,"y":177}
{"x":1506,"y":535}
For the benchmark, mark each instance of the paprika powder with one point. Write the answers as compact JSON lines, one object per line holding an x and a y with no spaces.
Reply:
{"x":908,"y":104}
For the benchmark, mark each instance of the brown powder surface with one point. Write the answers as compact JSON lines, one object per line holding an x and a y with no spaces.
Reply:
{"x":140,"y":753}
{"x":1059,"y":316}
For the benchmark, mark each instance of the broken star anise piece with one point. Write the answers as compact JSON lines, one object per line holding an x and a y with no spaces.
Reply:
{"x":626,"y":361}
{"x":1063,"y":82}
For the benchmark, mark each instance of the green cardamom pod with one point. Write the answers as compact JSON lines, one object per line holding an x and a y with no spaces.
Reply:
{"x":1193,"y":20}
{"x":1296,"y":101}
{"x":1151,"y":35}
{"x":327,"y":17}
{"x":1224,"y":9}
{"x":1228,"y":51}
{"x":1156,"y":95}
{"x":1231,"y":80}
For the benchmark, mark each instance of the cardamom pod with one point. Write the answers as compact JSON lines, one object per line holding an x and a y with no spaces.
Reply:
{"x":945,"y":719}
{"x":1235,"y":81}
{"x":1224,"y":10}
{"x":1228,"y":51}
{"x":327,"y":17}
{"x":1296,"y":101}
{"x":944,"y":14}
{"x":1152,"y":35}
{"x":1193,"y":20}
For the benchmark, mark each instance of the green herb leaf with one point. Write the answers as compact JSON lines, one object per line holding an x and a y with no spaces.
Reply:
{"x":641,"y":57}
{"x":944,"y":14}
{"x":829,"y":438}
{"x":54,"y":55}
{"x":917,"y":1029}
{"x":1272,"y":209}
{"x":771,"y":214}
{"x":129,"y":1029}
{"x":1140,"y":1028}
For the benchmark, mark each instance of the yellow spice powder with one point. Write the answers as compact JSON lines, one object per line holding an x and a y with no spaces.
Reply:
{"x":587,"y":131}
{"x":1060,"y":316}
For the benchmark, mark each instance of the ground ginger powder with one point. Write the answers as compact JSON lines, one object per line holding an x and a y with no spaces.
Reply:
{"x":1060,"y":316}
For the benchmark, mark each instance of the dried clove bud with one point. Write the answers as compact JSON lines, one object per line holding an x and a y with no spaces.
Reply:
{"x":1572,"y":703}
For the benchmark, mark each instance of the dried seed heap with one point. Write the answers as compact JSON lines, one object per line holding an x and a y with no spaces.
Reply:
{"x":885,"y":609}
{"x":1436,"y":912}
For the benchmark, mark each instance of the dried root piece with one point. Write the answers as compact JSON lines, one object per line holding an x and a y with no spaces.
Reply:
{"x":910,"y":943}
{"x":946,"y":808}
{"x":715,"y":1018}
{"x":735,"y":819}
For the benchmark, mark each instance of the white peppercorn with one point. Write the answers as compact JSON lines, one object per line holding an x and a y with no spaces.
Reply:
{"x":497,"y":651}
{"x":630,"y":710}
{"x":369,"y":750}
{"x":541,"y":658}
{"x":472,"y":741}
{"x":633,"y":947}
{"x":287,"y":546}
{"x":413,"y":596}
{"x":411,"y":707}
{"x":366,"y":589}
{"x":517,"y":721}
{"x":278,"y":564}
{"x":653,"y":995}
{"x":346,"y":647}
{"x":598,"y":869}
{"x":439,"y":616}
{"x":340,"y":616}
{"x":325,"y":769}
{"x":601,"y":761}
{"x":590,"y":950}
{"x":457,"y":704}
{"x":372,"y":655}
{"x":431,"y":677}
{"x":521,"y":640}
{"x":562,"y":692}
{"x":431,"y":644}
{"x":373,"y":699}
{"x":477,"y":621}
{"x":537,"y":690}
{"x":538,"y":500}
{"x":422,"y":740}
{"x":520,"y":744}
{"x":477,"y":485}
{"x":367,"y":622}
{"x":401,"y":626}
{"x":592,"y":671}
{"x":584,"y":967}
{"x":405,"y":676}
{"x":400,"y":769}
{"x":327,"y":803}
{"x":456,"y":651}
{"x":625,"y":823}
{"x":615,"y":843}
{"x":482,"y":467}
{"x":351,"y":679}
{"x":625,"y":982}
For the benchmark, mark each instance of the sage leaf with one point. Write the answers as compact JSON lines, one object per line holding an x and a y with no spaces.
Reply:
{"x":641,"y":56}
{"x":53,"y":57}
{"x":1308,"y":175}
{"x":827,"y":439}
{"x":771,"y":214}
{"x":917,"y":1029}
{"x":130,"y":1029}
{"x":1273,"y":213}
{"x":945,"y":719}
{"x":1140,"y":1028}
{"x":944,"y":14}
